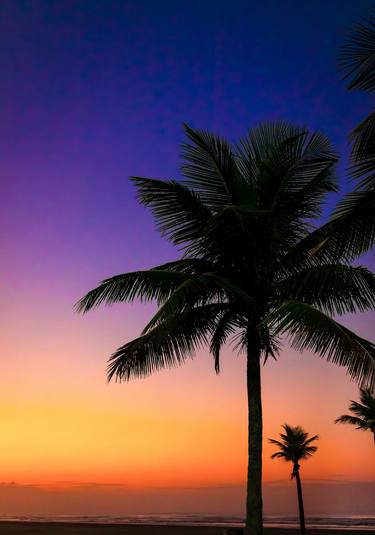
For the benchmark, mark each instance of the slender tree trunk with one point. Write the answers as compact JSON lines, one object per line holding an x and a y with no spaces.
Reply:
{"x":300,"y":500}
{"x":254,"y":504}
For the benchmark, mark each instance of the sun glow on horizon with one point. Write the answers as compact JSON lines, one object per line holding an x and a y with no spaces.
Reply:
{"x":168,"y":431}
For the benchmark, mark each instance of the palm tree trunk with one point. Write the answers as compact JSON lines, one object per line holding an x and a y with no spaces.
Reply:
{"x":300,"y":500}
{"x":254,"y":504}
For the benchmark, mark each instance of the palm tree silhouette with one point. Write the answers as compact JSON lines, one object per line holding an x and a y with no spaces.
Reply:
{"x":242,"y":217}
{"x":294,"y":447}
{"x":364,"y":412}
{"x":353,"y":220}
{"x":354,"y":217}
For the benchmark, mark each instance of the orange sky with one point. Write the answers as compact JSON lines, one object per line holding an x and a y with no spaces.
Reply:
{"x":60,"y":421}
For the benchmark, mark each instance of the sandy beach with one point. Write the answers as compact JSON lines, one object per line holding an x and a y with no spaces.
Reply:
{"x":63,"y":528}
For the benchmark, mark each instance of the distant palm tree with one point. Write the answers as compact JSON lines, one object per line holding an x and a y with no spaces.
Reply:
{"x":364,"y":412}
{"x":294,"y":447}
{"x":242,"y":218}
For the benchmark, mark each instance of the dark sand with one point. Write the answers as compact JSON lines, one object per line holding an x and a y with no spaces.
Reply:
{"x":63,"y":528}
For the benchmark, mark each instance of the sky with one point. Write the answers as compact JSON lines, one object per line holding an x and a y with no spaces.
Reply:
{"x":93,"y":92}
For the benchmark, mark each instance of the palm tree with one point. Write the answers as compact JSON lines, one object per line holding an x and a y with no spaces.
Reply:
{"x":294,"y":447}
{"x":242,"y":217}
{"x":354,"y":217}
{"x":364,"y":412}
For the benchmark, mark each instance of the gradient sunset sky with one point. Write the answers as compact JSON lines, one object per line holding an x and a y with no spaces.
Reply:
{"x":92,"y":92}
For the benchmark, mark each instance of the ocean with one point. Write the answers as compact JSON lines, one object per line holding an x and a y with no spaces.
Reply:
{"x":365,"y":523}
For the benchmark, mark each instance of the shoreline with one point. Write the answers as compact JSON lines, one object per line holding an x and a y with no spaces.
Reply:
{"x":18,"y":527}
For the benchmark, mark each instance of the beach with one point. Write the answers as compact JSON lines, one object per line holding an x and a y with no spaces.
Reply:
{"x":65,"y":528}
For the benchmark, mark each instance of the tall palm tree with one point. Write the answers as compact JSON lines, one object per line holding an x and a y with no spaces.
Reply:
{"x":241,"y":218}
{"x":364,"y":412}
{"x":294,"y":447}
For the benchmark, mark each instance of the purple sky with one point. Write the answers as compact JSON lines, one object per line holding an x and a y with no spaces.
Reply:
{"x":96,"y":91}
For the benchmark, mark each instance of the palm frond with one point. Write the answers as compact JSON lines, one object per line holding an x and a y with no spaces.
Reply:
{"x":281,"y":445}
{"x":333,"y":288}
{"x":367,"y":398}
{"x":265,"y":155}
{"x":308,"y":451}
{"x":280,"y":455}
{"x":200,"y":289}
{"x":211,"y":169}
{"x":311,"y":439}
{"x":357,"y":56}
{"x":179,"y":211}
{"x":364,"y":412}
{"x":284,"y":160}
{"x":189,"y":265}
{"x":353,"y":420}
{"x":311,"y":329}
{"x":309,"y":178}
{"x":353,"y":224}
{"x":310,"y":250}
{"x":225,"y":328}
{"x":348,"y":234}
{"x":362,"y":159}
{"x":152,"y":284}
{"x":167,"y":345}
{"x":305,"y":204}
{"x":273,"y":144}
{"x":191,"y":292}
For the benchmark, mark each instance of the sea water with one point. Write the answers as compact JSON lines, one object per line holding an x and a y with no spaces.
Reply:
{"x":365,"y":523}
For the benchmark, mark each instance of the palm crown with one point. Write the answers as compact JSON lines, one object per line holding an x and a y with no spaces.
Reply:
{"x":295,"y":445}
{"x":250,"y":269}
{"x":363,"y":416}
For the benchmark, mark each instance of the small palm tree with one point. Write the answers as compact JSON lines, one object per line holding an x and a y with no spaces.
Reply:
{"x":294,"y":447}
{"x":364,"y":412}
